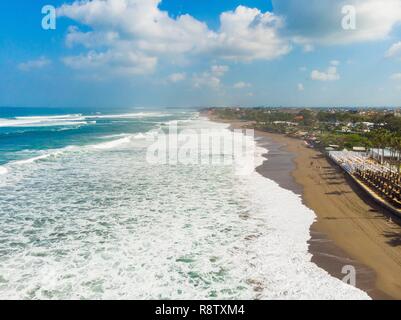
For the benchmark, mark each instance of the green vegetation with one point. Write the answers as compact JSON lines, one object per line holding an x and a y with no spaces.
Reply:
{"x":347,"y":141}
{"x":367,"y":128}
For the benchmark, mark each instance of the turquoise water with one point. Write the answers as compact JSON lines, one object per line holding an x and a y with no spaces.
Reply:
{"x":26,"y":130}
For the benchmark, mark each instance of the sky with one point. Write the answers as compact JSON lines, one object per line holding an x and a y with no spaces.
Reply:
{"x":196,"y":53}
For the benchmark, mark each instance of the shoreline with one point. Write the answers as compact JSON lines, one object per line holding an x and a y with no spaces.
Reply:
{"x":350,"y":228}
{"x":325,"y":253}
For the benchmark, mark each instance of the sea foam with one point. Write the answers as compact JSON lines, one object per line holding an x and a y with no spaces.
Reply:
{"x":128,"y":115}
{"x":44,"y":121}
{"x":99,"y":224}
{"x":112,"y":144}
{"x":3,"y":170}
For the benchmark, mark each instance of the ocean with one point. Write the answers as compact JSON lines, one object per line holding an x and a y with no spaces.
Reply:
{"x":84,"y":215}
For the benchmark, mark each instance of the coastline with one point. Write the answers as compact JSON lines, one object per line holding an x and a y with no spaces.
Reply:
{"x":350,"y":228}
{"x":280,"y":166}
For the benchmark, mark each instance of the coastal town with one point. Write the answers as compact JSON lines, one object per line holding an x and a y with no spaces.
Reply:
{"x":365,"y":143}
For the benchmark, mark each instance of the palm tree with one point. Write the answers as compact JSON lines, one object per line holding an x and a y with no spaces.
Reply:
{"x":381,"y":140}
{"x":397,"y":146}
{"x":393,"y":149}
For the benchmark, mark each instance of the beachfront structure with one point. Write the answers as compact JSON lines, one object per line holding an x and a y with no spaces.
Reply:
{"x":386,"y":184}
{"x":350,"y":160}
{"x":378,"y":180}
{"x":287,"y":123}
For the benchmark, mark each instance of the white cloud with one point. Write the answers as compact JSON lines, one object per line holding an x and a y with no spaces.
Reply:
{"x":396,"y":76}
{"x":319,"y":22}
{"x":329,"y":75}
{"x":139,"y":22}
{"x":394,"y":50}
{"x":241,"y":85}
{"x":140,"y":28}
{"x":90,"y":39}
{"x":34,"y":64}
{"x":300,"y":87}
{"x":211,"y":79}
{"x":118,"y":62}
{"x":177,"y":77}
{"x":335,"y":63}
{"x":206,"y":80}
{"x":247,"y":34}
{"x":219,"y":71}
{"x":308,"y":47}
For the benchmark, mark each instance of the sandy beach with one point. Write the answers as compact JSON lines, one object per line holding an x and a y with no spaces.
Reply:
{"x":350,"y":228}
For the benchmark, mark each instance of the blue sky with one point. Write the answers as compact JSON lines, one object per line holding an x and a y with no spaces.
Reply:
{"x":151,"y":53}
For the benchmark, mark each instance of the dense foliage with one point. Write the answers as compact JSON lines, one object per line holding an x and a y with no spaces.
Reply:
{"x":343,"y":128}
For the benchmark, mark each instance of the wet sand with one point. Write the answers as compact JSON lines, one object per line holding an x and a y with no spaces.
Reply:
{"x":350,"y":228}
